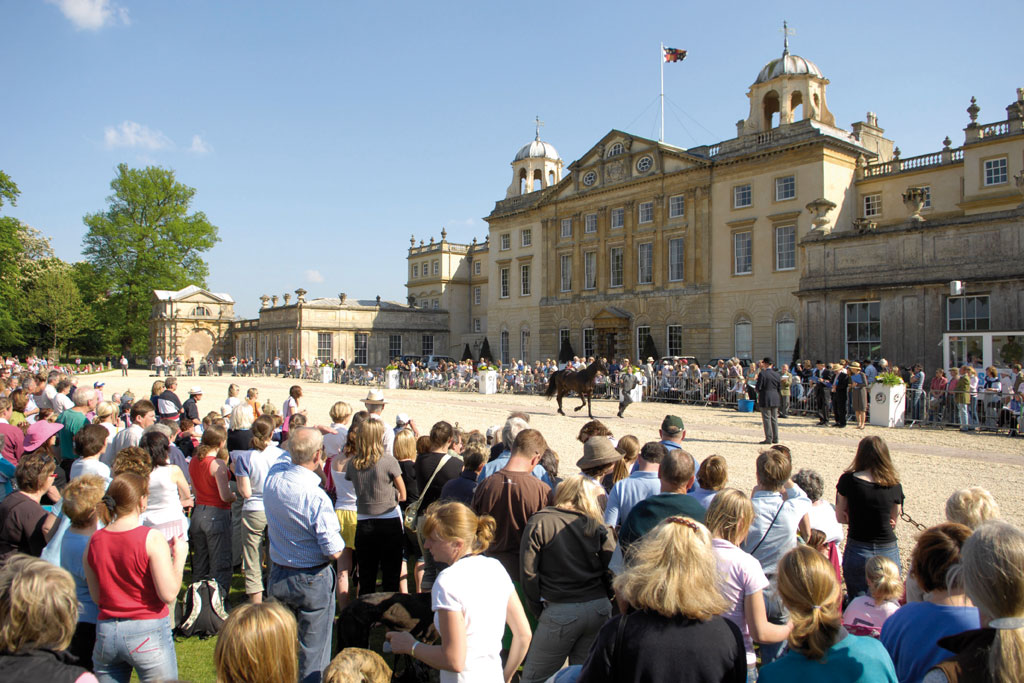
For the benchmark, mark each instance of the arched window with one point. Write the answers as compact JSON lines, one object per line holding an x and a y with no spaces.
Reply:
{"x":524,"y":345}
{"x":538,"y":180}
{"x":796,"y":102}
{"x":201,"y":312}
{"x":742,"y":334}
{"x":551,"y":178}
{"x":615,"y":150}
{"x":523,"y":189}
{"x":785,"y":340}
{"x":771,"y":109}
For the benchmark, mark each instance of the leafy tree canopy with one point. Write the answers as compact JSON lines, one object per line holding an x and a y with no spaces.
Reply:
{"x":146,"y":239}
{"x":10,"y":271}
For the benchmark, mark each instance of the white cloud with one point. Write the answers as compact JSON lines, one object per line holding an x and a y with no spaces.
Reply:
{"x":92,"y":15}
{"x":314,"y":276}
{"x":131,"y":134}
{"x":199,"y":145}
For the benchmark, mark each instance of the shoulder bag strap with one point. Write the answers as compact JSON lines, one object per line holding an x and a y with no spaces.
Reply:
{"x":440,"y":464}
{"x":777,"y":512}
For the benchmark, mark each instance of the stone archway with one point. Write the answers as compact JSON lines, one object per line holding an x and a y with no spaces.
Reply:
{"x":198,"y":344}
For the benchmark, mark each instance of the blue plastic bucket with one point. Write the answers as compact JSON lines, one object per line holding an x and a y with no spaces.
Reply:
{"x":745,"y":405}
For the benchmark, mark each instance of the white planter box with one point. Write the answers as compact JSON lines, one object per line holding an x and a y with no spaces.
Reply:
{"x":326,"y":374}
{"x":488,"y":381}
{"x":888,"y":404}
{"x":392,"y":379}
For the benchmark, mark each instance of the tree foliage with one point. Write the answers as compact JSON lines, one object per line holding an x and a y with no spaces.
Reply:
{"x":55,"y":304}
{"x":146,"y":239}
{"x":10,"y":271}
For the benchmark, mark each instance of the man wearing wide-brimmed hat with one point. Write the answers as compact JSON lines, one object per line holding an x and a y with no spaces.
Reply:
{"x":374,"y":403}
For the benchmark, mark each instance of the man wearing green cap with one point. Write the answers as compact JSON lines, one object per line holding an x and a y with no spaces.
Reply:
{"x":672,"y":432}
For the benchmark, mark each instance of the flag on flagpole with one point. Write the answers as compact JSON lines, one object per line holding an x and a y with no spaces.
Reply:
{"x":673,"y":55}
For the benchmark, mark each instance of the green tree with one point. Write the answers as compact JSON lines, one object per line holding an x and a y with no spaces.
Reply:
{"x":146,"y":239}
{"x":10,"y":270}
{"x":56,"y":305}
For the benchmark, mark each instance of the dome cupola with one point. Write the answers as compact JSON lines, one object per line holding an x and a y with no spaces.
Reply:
{"x":536,"y":166}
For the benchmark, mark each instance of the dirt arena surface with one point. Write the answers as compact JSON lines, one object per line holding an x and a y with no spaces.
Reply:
{"x":932,"y":462}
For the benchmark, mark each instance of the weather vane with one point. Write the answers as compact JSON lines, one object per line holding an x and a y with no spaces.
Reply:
{"x":539,"y":124}
{"x":786,"y":33}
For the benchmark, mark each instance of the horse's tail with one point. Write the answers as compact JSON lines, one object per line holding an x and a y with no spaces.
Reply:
{"x":552,"y":384}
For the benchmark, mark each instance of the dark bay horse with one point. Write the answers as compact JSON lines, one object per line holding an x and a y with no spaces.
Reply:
{"x":582,"y":382}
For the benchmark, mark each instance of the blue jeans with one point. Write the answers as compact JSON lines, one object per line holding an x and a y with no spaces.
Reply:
{"x":856,"y":557}
{"x":309,"y":593}
{"x":145,"y":645}
{"x":964,"y":411}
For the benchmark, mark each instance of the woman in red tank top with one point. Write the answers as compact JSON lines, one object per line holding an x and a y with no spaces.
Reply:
{"x":211,"y":520}
{"x":133,"y":575}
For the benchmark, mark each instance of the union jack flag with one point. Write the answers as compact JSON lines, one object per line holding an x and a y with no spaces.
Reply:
{"x":673,"y":55}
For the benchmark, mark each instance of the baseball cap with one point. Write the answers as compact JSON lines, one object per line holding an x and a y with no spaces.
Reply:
{"x":672,"y":424}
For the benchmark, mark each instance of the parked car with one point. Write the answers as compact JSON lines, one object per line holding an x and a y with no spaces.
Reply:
{"x":432,"y":361}
{"x":675,"y":359}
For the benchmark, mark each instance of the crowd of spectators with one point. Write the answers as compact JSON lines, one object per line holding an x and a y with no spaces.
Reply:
{"x":647,"y":565}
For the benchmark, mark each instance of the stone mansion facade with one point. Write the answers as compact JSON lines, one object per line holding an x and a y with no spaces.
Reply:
{"x":796,"y":237}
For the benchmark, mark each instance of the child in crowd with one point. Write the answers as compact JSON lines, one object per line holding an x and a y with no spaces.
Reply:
{"x":820,"y":650}
{"x":712,"y":476}
{"x":357,"y":664}
{"x":258,"y":644}
{"x":866,"y":614}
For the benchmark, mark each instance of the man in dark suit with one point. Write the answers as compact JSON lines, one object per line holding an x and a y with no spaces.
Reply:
{"x":822,"y":381}
{"x":768,"y":399}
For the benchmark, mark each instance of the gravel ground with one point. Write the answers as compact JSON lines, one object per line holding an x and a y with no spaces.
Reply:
{"x":932,"y":462}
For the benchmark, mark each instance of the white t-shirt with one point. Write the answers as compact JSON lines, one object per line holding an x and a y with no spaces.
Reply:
{"x":91,"y":466}
{"x":334,"y":443}
{"x":823,"y":518}
{"x":741,"y":575}
{"x":255,"y":465}
{"x":479,"y":588}
{"x":61,"y":403}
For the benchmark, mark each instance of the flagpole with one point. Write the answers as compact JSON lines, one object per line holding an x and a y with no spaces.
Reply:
{"x":661,"y":54}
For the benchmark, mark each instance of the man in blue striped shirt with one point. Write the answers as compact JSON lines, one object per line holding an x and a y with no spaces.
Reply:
{"x":305,"y":540}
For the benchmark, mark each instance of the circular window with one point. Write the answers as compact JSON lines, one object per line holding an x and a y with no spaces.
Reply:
{"x":590,"y":178}
{"x":645,"y":164}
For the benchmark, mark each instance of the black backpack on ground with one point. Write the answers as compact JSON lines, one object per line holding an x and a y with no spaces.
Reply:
{"x":202,"y":612}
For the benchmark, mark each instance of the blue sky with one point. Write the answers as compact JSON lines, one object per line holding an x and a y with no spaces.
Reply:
{"x":321,"y":134}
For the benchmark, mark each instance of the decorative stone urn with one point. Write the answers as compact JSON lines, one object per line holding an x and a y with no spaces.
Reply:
{"x":820,"y":208}
{"x":264,"y":300}
{"x":1019,"y":178}
{"x":864,"y":225}
{"x":301,"y":294}
{"x":913,"y":199}
{"x":273,"y":300}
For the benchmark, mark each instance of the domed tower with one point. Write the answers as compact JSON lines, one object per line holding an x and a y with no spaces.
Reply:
{"x":536,"y":166}
{"x":784,"y":86}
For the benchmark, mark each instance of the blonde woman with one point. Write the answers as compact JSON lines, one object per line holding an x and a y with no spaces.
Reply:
{"x":473,"y":599}
{"x":992,"y":559}
{"x":258,"y":629}
{"x":564,"y":558}
{"x":866,"y":614}
{"x":672,"y":606}
{"x":820,"y":649}
{"x":38,"y":611}
{"x":377,"y":480}
{"x":106,"y":415}
{"x":743,"y":581}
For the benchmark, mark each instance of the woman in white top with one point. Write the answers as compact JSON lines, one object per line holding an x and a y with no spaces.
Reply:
{"x":168,"y":490}
{"x":344,"y":489}
{"x":291,"y":406}
{"x":106,"y":415}
{"x":473,"y":599}
{"x":233,"y":400}
{"x":251,"y":468}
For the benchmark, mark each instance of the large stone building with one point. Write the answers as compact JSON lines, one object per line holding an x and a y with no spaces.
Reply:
{"x":190,"y":323}
{"x":362,"y":332}
{"x":795,"y":236}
